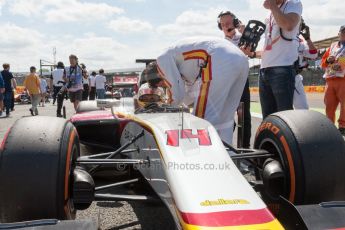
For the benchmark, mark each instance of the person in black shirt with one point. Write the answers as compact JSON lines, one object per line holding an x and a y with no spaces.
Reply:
{"x":9,"y":83}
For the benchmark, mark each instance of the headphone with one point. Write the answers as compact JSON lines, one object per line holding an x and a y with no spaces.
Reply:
{"x":235,"y":21}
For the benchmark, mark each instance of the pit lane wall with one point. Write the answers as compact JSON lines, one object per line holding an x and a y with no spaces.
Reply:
{"x":312,"y":80}
{"x":307,"y":89}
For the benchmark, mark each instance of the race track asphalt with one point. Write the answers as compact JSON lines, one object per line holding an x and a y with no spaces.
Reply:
{"x":120,"y":215}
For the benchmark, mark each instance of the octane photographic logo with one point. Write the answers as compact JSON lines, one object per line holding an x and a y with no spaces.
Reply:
{"x":196,"y":166}
{"x":157,"y":165}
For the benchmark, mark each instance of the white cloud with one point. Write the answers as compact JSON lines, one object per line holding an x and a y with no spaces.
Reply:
{"x":24,"y":47}
{"x":16,"y":37}
{"x":64,"y":10}
{"x":19,"y":46}
{"x":77,"y":11}
{"x":191,"y":23}
{"x":2,"y":3}
{"x":127,"y":25}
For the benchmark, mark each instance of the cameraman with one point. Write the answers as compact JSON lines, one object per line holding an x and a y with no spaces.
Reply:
{"x":73,"y":77}
{"x":230,"y":24}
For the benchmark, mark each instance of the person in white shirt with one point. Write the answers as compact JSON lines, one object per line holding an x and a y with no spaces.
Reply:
{"x":56,"y":81}
{"x":92,"y":84}
{"x":306,"y":50}
{"x":56,"y":84}
{"x":86,"y":87}
{"x":43,"y":86}
{"x":209,"y":72}
{"x":277,"y":73}
{"x":100,"y":81}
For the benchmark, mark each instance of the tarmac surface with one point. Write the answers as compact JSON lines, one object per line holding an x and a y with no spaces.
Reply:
{"x":122,"y":215}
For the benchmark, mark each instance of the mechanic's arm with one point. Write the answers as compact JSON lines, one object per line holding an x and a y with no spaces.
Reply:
{"x":172,"y":78}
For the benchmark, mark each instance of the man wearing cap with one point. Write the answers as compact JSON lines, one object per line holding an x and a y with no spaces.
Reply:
{"x":333,"y":61}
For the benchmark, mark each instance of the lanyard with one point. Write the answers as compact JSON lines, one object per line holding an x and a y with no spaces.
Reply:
{"x":340,"y":51}
{"x":71,"y":70}
{"x":271,"y":21}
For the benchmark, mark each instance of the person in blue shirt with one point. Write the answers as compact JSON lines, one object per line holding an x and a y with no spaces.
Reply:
{"x":10,"y":84}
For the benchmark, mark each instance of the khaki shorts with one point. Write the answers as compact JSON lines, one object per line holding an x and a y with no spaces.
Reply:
{"x":76,"y":96}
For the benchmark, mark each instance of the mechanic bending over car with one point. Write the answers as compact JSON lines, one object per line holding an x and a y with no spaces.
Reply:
{"x":209,"y":72}
{"x":232,"y":28}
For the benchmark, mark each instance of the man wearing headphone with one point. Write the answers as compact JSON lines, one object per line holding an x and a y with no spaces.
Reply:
{"x":232,"y":28}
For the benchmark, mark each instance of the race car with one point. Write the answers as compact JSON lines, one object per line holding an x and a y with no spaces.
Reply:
{"x":297,"y":168}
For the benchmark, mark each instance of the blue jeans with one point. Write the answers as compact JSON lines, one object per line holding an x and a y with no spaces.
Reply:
{"x":100,"y":93}
{"x":276,"y":88}
{"x":8,"y":101}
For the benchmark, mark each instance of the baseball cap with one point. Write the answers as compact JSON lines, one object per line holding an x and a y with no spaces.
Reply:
{"x":342,"y":28}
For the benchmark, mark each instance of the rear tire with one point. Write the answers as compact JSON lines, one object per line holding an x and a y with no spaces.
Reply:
{"x":311,"y":152}
{"x":36,"y":167}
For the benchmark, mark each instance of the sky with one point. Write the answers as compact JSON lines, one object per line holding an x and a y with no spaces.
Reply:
{"x":111,"y":34}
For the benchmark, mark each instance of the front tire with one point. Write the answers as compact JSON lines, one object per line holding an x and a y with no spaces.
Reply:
{"x":36,"y":167}
{"x":311,"y":152}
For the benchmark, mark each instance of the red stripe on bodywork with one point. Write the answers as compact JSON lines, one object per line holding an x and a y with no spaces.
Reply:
{"x":228,"y":218}
{"x":92,"y":116}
